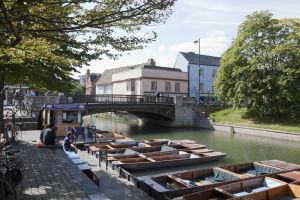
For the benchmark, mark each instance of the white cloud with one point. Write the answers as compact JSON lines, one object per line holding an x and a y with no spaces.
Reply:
{"x":215,"y":43}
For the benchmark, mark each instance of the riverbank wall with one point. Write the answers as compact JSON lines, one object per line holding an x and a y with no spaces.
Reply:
{"x":190,"y":114}
{"x":257,"y":132}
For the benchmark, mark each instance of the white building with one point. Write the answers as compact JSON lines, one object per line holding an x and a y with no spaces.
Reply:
{"x":201,"y":77}
{"x":104,"y":83}
{"x":143,"y":79}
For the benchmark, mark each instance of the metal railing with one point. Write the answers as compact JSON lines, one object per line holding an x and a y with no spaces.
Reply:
{"x":123,"y":99}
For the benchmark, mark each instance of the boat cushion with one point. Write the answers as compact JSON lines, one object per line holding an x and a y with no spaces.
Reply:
{"x":130,"y":152}
{"x":194,"y":156}
{"x":262,"y":168}
{"x":182,"y":152}
{"x":166,"y":148}
{"x":223,"y":175}
{"x":141,"y":144}
{"x":270,"y":183}
{"x":241,"y":194}
{"x":125,"y":141}
{"x":260,"y":189}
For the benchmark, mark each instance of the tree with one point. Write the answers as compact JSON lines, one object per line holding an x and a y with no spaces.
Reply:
{"x":42,"y":42}
{"x":261,"y":69}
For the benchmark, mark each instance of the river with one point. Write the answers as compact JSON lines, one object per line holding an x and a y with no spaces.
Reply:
{"x":239,"y":148}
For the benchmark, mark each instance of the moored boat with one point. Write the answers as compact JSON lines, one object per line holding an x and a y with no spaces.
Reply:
{"x":179,"y":184}
{"x":178,"y":159}
{"x":238,"y":190}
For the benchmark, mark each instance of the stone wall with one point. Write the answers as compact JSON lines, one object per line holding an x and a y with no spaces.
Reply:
{"x":185,"y":112}
{"x":190,"y":114}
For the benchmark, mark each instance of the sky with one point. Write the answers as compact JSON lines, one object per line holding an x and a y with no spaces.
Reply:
{"x":215,"y":22}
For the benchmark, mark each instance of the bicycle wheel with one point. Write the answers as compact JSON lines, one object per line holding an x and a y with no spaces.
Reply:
{"x":15,"y":170}
{"x":8,"y":112}
{"x":24,"y":112}
{"x":7,"y":190}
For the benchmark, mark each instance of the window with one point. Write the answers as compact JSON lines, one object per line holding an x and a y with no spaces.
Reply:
{"x":168,"y":86}
{"x":131,"y":85}
{"x":105,"y":89}
{"x":214,"y":73}
{"x":153,"y":85}
{"x":201,"y":87}
{"x":69,"y":117}
{"x":201,"y":72}
{"x":177,"y":87}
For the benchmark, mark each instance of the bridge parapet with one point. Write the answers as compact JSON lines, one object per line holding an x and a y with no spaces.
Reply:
{"x":123,"y":99}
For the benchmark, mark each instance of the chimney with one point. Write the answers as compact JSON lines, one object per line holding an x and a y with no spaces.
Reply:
{"x":151,"y":61}
{"x":87,"y":75}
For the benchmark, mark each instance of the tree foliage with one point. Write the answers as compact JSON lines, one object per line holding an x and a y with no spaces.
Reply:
{"x":42,"y":42}
{"x":261,"y":69}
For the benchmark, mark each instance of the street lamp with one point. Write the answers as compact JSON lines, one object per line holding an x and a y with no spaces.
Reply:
{"x":195,"y":42}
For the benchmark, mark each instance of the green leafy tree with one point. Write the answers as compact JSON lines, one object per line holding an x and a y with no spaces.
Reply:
{"x":261,"y":69}
{"x":43,"y":42}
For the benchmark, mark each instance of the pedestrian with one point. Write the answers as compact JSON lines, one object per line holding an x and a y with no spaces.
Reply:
{"x":157,"y":96}
{"x":17,"y":98}
{"x":45,"y":127}
{"x":68,"y":144}
{"x":51,"y":136}
{"x":61,"y":97}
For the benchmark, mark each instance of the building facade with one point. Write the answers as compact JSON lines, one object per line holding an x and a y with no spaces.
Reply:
{"x":90,"y":82}
{"x":143,"y":79}
{"x":201,"y":75}
{"x":148,"y":79}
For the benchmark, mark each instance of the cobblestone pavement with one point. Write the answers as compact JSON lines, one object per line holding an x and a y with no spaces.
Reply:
{"x":111,"y":184}
{"x":50,"y":174}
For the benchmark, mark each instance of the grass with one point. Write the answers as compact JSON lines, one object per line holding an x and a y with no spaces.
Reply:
{"x":244,"y":117}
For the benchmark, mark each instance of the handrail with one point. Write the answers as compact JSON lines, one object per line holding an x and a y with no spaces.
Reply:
{"x":124,"y":99}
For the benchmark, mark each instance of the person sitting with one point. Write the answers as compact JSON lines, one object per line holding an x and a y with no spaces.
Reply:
{"x":67,"y":143}
{"x":50,"y":137}
{"x":45,"y":127}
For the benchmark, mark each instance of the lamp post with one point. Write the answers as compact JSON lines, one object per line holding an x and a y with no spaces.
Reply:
{"x":195,"y":42}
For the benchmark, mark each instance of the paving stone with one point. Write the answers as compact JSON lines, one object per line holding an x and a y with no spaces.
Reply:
{"x":49,"y":173}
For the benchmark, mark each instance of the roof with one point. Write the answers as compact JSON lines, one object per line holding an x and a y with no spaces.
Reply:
{"x":106,"y":77}
{"x":193,"y":58}
{"x":161,"y":68}
{"x":95,"y":80}
{"x":93,"y":76}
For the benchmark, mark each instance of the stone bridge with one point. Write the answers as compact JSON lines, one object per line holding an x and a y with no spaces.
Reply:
{"x":169,"y":111}
{"x":140,"y":105}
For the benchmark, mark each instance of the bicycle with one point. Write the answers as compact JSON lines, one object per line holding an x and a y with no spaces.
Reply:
{"x":13,"y":132}
{"x":11,"y":174}
{"x":24,"y":109}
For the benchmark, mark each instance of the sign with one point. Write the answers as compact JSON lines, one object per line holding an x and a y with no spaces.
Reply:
{"x":65,"y":107}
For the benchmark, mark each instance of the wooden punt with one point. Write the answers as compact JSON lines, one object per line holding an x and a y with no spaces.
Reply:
{"x":253,"y":169}
{"x":241,"y":189}
{"x":285,"y":192}
{"x":281,"y":164}
{"x":179,"y":159}
{"x":178,"y":184}
{"x":105,"y":136}
{"x":113,"y":151}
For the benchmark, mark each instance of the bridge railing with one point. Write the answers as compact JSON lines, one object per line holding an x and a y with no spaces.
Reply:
{"x":130,"y":99}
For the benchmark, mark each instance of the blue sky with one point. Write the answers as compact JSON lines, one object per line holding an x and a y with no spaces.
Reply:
{"x":214,"y":21}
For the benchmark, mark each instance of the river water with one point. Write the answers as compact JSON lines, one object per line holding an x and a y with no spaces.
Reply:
{"x":239,"y":148}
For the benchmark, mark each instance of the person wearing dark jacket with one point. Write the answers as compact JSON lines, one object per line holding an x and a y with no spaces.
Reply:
{"x":50,"y":137}
{"x":68,"y":145}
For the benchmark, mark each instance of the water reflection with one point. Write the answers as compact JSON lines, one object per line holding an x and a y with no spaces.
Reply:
{"x":239,"y":148}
